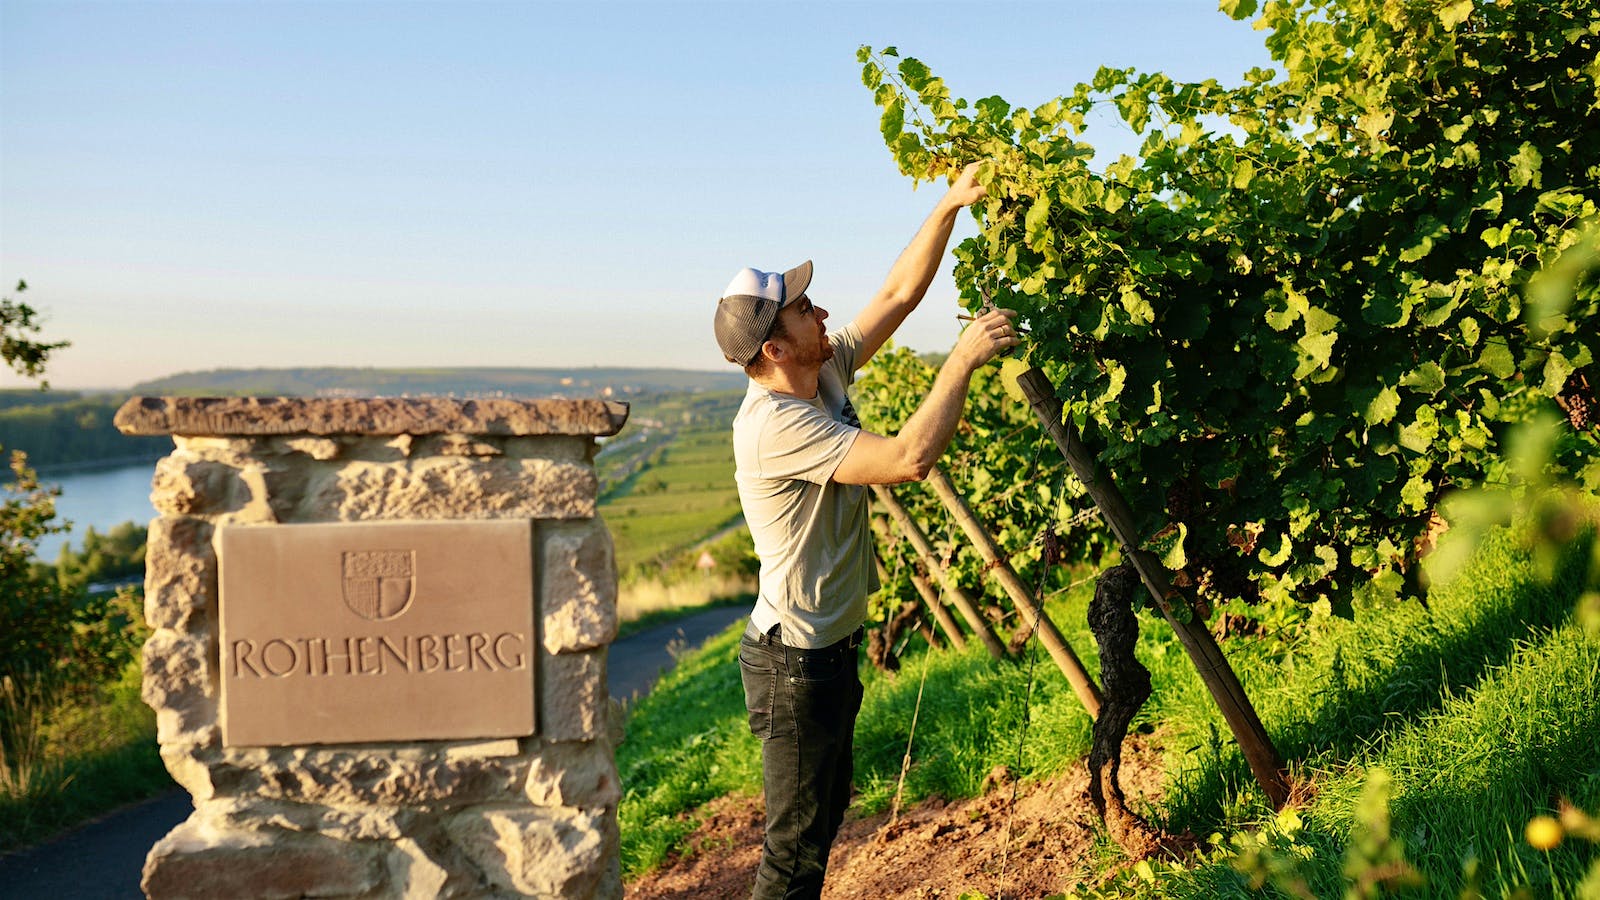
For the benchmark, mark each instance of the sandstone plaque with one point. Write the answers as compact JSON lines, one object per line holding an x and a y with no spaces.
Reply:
{"x":376,"y":631}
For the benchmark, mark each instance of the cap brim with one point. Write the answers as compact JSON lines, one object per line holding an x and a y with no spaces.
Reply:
{"x":795,"y":282}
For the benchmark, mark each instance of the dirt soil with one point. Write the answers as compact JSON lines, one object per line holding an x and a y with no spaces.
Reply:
{"x":937,"y":849}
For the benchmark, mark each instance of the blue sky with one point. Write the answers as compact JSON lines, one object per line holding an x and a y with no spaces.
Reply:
{"x":190,"y":185}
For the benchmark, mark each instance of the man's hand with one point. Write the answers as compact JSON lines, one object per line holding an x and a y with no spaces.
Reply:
{"x":909,"y":455}
{"x":965,"y":190}
{"x":988,"y":336}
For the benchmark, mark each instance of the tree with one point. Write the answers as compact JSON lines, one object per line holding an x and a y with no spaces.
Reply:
{"x":35,"y":615}
{"x":52,"y":636}
{"x":117,"y":554}
{"x":21,"y":352}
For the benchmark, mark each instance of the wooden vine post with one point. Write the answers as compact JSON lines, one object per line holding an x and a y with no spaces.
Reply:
{"x":1196,"y":639}
{"x":930,"y":597}
{"x":1067,"y":661}
{"x":924,"y":627}
{"x":919,"y":542}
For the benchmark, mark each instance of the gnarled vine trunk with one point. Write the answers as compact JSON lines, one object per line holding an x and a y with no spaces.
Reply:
{"x":1125,"y":685}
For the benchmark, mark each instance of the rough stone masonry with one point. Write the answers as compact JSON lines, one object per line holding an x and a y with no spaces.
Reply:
{"x":531,"y":815}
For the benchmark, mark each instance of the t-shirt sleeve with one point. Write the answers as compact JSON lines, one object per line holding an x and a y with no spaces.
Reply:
{"x":800,"y":442}
{"x":846,"y":350}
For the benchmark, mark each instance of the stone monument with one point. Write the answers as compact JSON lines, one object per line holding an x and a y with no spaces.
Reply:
{"x":378,"y":659}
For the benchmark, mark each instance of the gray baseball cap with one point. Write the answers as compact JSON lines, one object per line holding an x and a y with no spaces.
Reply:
{"x":749,"y":308}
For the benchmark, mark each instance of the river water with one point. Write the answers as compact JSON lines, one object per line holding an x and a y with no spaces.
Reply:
{"x":103,"y":499}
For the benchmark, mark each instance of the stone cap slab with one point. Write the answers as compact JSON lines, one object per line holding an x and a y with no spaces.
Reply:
{"x":245,"y":416}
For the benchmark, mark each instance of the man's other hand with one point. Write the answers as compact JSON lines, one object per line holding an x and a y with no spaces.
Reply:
{"x":965,"y":190}
{"x":988,"y":336}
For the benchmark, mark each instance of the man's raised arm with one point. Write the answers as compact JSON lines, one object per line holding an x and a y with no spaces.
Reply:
{"x":912,"y":273}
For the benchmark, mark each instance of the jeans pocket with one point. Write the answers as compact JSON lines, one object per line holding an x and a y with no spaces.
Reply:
{"x":818,"y":667}
{"x":760,"y":690}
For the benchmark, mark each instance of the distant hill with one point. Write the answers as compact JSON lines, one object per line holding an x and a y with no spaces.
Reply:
{"x":10,"y":398}
{"x":470,"y":382}
{"x":66,"y":429}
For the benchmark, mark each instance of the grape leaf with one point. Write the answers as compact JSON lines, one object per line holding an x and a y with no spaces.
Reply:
{"x":1238,"y":9}
{"x":1453,"y":14}
{"x":1010,"y":370}
{"x":1496,"y":360}
{"x":1383,"y":407}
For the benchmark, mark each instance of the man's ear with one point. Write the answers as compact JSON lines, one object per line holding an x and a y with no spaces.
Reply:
{"x":774,"y":351}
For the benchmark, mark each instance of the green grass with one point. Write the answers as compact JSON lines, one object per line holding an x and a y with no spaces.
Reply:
{"x":1484,"y":708}
{"x":971,"y":717}
{"x":89,"y":757}
{"x":1346,"y":686}
{"x":618,"y":465}
{"x":653,"y":532}
{"x":686,"y":744}
{"x":684,"y":489}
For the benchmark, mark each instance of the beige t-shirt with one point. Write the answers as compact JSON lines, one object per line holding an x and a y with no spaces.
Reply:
{"x":811,"y":534}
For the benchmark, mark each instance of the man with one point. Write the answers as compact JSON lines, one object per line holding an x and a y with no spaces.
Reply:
{"x":802,"y":465}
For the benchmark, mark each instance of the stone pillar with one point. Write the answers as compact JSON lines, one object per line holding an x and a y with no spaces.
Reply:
{"x":522,"y":815}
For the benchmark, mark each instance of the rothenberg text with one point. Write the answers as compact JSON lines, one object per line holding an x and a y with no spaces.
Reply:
{"x":377,"y":655}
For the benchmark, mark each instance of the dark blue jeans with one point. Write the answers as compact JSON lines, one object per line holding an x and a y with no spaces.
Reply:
{"x":803,"y":705}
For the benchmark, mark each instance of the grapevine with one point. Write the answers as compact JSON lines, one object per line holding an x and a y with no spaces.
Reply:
{"x":994,"y":461}
{"x":1292,"y":319}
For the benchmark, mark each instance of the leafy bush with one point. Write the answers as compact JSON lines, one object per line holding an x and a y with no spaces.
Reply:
{"x":55,"y":640}
{"x":35,"y":615}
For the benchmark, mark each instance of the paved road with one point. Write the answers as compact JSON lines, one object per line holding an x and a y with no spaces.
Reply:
{"x":636,"y":661}
{"x":102,"y":859}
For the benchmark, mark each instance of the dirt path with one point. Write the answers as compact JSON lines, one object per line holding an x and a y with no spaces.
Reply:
{"x":935,"y":850}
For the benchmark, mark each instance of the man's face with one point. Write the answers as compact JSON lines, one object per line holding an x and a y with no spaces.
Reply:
{"x":807,"y":336}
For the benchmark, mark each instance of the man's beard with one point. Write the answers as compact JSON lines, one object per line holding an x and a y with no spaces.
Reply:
{"x":817,"y":355}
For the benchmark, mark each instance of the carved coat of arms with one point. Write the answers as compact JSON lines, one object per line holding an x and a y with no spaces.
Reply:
{"x":379,"y":584}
